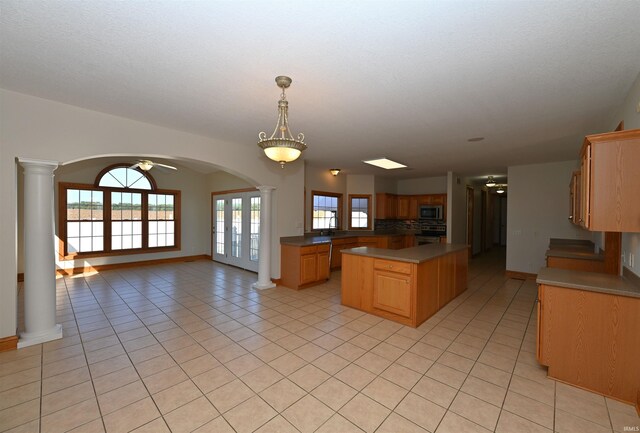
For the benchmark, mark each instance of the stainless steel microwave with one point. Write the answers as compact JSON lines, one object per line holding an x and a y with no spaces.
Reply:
{"x":431,"y":212}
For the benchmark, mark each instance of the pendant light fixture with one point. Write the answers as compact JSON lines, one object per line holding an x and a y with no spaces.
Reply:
{"x":334,"y":171}
{"x":490,"y":182}
{"x":281,"y":146}
{"x":500,"y":189}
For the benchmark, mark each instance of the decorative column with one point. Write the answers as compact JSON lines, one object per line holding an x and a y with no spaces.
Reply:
{"x":264,"y":251}
{"x":39,"y":254}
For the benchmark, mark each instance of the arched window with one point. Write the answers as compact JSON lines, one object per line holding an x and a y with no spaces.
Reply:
{"x":123,"y":212}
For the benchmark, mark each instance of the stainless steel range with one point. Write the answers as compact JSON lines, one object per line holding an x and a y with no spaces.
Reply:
{"x":431,"y":234}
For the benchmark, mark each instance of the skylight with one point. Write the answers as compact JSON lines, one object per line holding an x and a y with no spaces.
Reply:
{"x":385,"y":163}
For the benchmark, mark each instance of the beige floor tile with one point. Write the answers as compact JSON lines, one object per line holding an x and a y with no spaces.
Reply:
{"x":544,"y":393}
{"x":420,"y":411}
{"x":456,"y":362}
{"x":568,"y":423}
{"x":338,"y":423}
{"x":155,"y":365}
{"x":261,"y":378}
{"x":71,"y":417}
{"x":287,"y":364}
{"x":372,"y":362}
{"x":349,"y":351}
{"x":415,"y":362}
{"x":497,"y":361}
{"x":156,"y":426}
{"x":355,"y":376}
{"x":307,"y":414}
{"x":199,"y":365}
{"x":95,"y":426}
{"x":426,"y":351}
{"x":121,"y":397}
{"x":230,"y":395}
{"x":65,"y":380}
{"x":20,"y":394}
{"x":384,"y":392}
{"x":269,"y":352}
{"x":465,"y":350}
{"x":476,"y":410}
{"x":309,"y":352}
{"x":52,"y":356}
{"x":446,"y":375}
{"x":530,"y":409}
{"x":244,"y":364}
{"x":67,"y":397}
{"x":248,"y":416}
{"x":278,"y":425}
{"x":63,"y":366}
{"x":591,"y":410}
{"x":308,"y":377}
{"x":435,"y":391}
{"x":229,"y":352}
{"x":115,"y":380}
{"x":22,"y":378}
{"x":105,"y":353}
{"x":109,"y":365}
{"x":131,"y":417}
{"x":282,"y":394}
{"x":486,"y":391}
{"x":509,"y":423}
{"x":400,"y":341}
{"x":165,"y":379}
{"x":330,"y":363}
{"x":191,"y":416}
{"x":397,"y":424}
{"x":147,"y":353}
{"x":401,"y":376}
{"x":491,"y":375}
{"x":176,"y":396}
{"x":334,"y":393}
{"x":453,"y":423}
{"x":19,"y":414}
{"x":216,"y":425}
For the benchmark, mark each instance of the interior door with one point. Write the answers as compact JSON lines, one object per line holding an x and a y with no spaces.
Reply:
{"x":236,"y":229}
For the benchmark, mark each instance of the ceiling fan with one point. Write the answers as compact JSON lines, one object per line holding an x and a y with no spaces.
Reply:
{"x":146,"y":165}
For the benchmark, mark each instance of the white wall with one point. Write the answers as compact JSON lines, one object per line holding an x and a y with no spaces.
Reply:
{"x":423,"y":185}
{"x":456,"y":209}
{"x":195,"y":212}
{"x":537,"y":210}
{"x":47,"y":130}
{"x":386,"y":185}
{"x":223,"y":181}
{"x":629,"y":111}
{"x":477,"y":221}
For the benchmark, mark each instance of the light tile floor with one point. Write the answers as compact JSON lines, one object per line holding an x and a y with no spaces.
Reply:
{"x":190,"y":347}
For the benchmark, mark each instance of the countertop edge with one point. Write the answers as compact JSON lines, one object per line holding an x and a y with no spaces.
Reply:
{"x":588,"y":281}
{"x":417,"y":255}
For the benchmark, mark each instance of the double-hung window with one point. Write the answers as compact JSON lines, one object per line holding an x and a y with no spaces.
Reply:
{"x":326,"y":211}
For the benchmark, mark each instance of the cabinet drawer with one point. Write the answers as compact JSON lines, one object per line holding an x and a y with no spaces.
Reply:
{"x":393,"y":266}
{"x":311,"y":249}
{"x":323,"y":248}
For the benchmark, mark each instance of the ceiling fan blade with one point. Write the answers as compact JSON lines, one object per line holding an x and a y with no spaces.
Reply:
{"x":136,"y":165}
{"x":157,"y":164}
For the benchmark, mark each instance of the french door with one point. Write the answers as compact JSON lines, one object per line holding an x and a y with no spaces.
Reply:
{"x":236,"y":229}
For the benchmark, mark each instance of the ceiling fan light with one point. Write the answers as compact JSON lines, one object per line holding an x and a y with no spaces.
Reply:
{"x":334,"y":171}
{"x":500,"y":190}
{"x":145,"y":165}
{"x":490,"y":182}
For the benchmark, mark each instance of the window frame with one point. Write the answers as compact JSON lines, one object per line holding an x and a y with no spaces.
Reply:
{"x":63,"y":252}
{"x":369,"y":216}
{"x":338,"y":213}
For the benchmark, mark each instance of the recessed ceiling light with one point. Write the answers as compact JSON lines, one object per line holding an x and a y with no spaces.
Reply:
{"x":384,"y":163}
{"x":476,"y":139}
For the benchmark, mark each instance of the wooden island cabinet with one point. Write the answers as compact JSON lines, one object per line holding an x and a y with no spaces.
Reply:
{"x":408,"y":285}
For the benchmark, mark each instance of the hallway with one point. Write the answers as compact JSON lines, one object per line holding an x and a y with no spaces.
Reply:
{"x":190,"y":347}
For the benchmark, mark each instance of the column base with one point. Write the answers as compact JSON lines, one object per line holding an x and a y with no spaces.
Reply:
{"x":258,"y":286}
{"x":30,"y":338}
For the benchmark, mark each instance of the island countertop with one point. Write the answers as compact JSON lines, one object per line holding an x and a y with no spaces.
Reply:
{"x":311,"y":239}
{"x":590,"y":281}
{"x":418,"y":254}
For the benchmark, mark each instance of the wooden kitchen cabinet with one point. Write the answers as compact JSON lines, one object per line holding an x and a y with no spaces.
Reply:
{"x":407,"y":207}
{"x":304,"y":266}
{"x":386,"y":206}
{"x":338,"y":246}
{"x":590,"y":340}
{"x":575,"y":208}
{"x":392,"y":287}
{"x":610,"y":182}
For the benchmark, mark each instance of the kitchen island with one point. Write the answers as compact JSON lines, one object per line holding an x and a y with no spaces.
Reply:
{"x":408,"y":285}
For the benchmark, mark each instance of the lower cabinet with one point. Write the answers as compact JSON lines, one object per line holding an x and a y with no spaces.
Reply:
{"x":392,"y":287}
{"x":304,"y":266}
{"x":590,"y":340}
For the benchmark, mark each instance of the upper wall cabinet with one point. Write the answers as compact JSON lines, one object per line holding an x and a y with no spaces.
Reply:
{"x":610,"y":182}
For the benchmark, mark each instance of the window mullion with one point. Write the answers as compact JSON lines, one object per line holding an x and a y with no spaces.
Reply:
{"x":107,"y":220}
{"x":145,"y":220}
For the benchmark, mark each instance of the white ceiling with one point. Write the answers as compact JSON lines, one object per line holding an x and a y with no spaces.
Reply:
{"x":409,"y":80}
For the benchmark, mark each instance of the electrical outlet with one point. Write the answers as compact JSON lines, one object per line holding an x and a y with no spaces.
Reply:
{"x":624,"y":258}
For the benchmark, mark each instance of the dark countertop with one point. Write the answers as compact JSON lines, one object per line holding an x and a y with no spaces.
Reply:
{"x":313,"y":239}
{"x":575,"y":254}
{"x":418,"y":254}
{"x":590,"y":281}
{"x":558,"y":242}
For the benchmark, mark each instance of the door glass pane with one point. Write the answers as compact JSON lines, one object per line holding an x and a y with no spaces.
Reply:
{"x":220,"y":227}
{"x":236,"y":227}
{"x":255,"y":228}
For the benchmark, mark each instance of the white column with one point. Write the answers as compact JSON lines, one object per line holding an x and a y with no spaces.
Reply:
{"x":39,"y":250}
{"x":264,"y":258}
